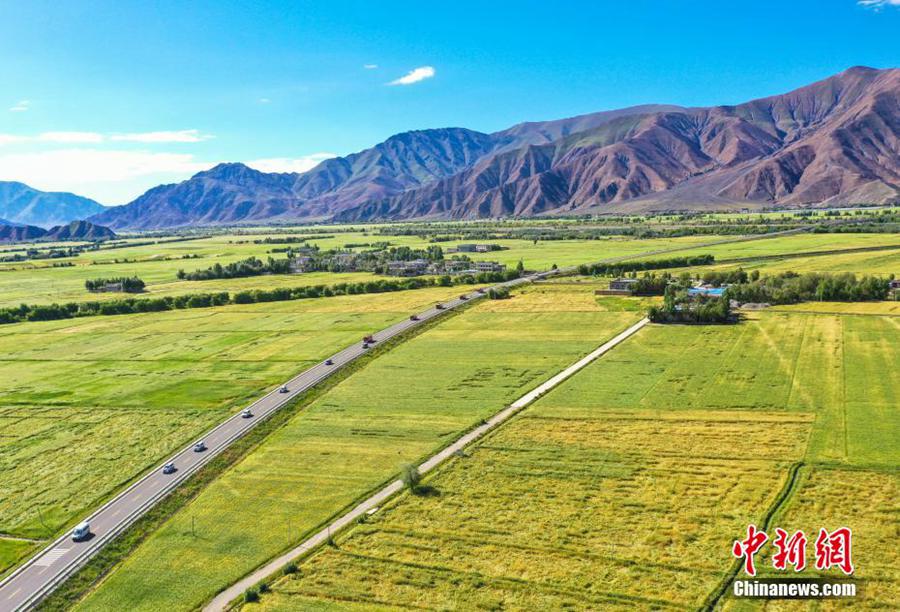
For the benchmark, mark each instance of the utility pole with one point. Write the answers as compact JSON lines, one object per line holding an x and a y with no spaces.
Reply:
{"x":41,"y":518}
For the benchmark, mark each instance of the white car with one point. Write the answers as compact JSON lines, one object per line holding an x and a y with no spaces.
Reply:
{"x":81,"y":532}
{"x":283,"y":389}
{"x":246,"y":414}
{"x":200,"y":446}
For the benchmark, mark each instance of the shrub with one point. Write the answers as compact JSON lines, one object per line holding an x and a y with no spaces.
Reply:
{"x":251,"y":596}
{"x":410,"y":477}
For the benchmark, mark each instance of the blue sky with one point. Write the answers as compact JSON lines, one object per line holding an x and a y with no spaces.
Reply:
{"x":108,"y":99}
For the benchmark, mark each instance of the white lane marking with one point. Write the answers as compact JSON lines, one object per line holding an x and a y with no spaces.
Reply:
{"x":51,"y":557}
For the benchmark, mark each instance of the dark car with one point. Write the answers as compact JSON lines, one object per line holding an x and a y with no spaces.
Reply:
{"x":169,"y":468}
{"x":329,"y":362}
{"x":200,"y":446}
{"x":413,"y":318}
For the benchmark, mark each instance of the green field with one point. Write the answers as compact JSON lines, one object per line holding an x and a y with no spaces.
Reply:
{"x":799,"y":243}
{"x":87,"y":404}
{"x":157,"y":265}
{"x":401,"y":407}
{"x":625,"y":487}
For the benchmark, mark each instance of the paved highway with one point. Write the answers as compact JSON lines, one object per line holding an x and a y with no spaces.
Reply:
{"x":45,"y":571}
{"x":50,"y":567}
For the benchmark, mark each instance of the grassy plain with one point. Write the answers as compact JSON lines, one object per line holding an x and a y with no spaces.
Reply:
{"x":624,"y":487}
{"x":89,"y":403}
{"x":793,"y":244}
{"x":399,"y":408}
{"x":38,"y":282}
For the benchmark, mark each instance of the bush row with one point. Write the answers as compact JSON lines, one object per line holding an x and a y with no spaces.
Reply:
{"x":618,"y":269}
{"x":791,"y":288}
{"x":130,"y":284}
{"x":52,"y":312}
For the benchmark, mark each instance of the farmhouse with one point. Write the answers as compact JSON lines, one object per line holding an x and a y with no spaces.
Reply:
{"x":623,"y":284}
{"x":302,"y":264}
{"x":489,"y":266}
{"x":619,"y":286}
{"x":415,"y":267}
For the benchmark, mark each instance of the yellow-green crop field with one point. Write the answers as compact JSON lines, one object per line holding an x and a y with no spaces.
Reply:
{"x":401,"y":407}
{"x":87,"y":404}
{"x":793,"y":244}
{"x":625,"y":487}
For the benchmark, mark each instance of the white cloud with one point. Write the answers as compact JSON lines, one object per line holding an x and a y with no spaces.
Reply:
{"x":878,"y":4}
{"x":288,"y":164}
{"x":73,"y":137}
{"x":370,"y":66}
{"x":414,"y":76}
{"x":264,"y":100}
{"x":164,"y":136}
{"x":11,"y":139}
{"x":21,"y":106}
{"x":70,"y":137}
{"x":109,"y":176}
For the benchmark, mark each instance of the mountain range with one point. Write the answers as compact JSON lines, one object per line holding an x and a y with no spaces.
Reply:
{"x":21,"y":204}
{"x":836,"y":141}
{"x":74,"y":231}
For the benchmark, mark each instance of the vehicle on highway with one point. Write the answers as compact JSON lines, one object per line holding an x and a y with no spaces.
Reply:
{"x":368,"y":339}
{"x":439,"y":306}
{"x":169,"y":468}
{"x":464,"y":297}
{"x":246,"y":414}
{"x":481,"y":290}
{"x":413,"y":318}
{"x":365,"y":345}
{"x":283,"y":389}
{"x":329,"y":362}
{"x":200,"y":446}
{"x":81,"y":531}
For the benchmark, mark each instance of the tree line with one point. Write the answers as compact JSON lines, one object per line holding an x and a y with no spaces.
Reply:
{"x":51,"y":312}
{"x":252,"y":266}
{"x":791,"y":288}
{"x":130,"y":284}
{"x":618,"y":269}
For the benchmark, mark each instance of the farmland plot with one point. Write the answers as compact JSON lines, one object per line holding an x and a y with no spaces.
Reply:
{"x":404,"y":405}
{"x":625,"y":487}
{"x":87,"y":404}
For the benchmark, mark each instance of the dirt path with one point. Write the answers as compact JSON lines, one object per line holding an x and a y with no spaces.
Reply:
{"x":222,"y":600}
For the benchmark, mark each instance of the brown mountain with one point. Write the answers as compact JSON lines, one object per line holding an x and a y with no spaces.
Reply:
{"x":836,"y":141}
{"x":833,"y":142}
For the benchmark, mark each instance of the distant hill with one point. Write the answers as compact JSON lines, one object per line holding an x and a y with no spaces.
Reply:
{"x":22,"y":204}
{"x":836,"y":141}
{"x":74,"y":231}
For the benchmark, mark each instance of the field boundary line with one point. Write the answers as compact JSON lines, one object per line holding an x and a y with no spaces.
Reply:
{"x":713,"y":599}
{"x":223,"y":600}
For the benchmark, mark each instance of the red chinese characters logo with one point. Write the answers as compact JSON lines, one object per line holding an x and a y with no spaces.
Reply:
{"x":790,"y":550}
{"x":832,"y":549}
{"x":747,"y":547}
